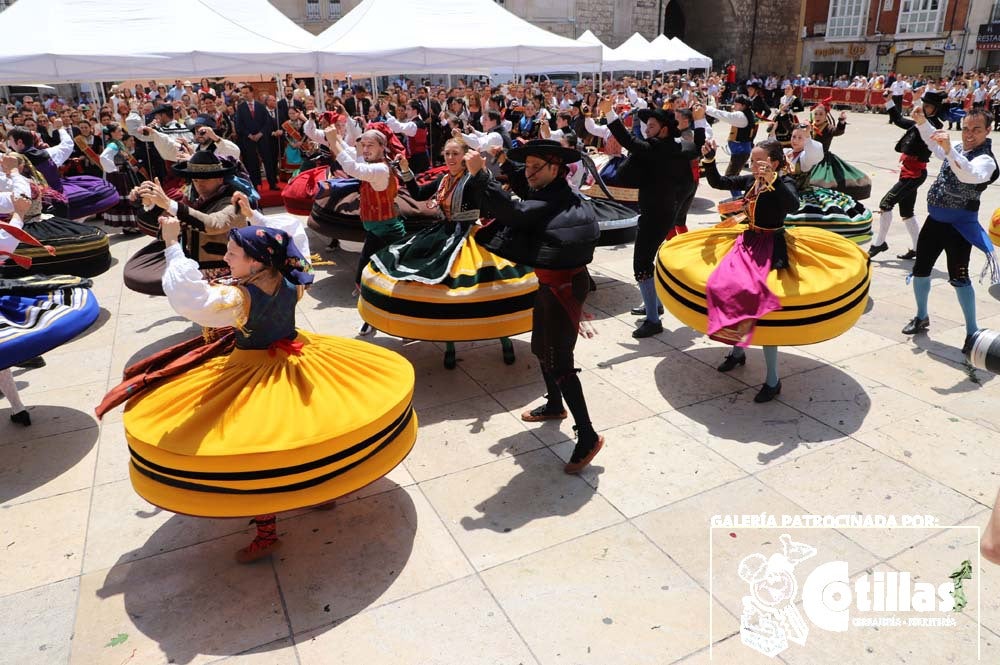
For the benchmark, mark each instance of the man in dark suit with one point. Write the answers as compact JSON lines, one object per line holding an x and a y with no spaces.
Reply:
{"x":358,"y":104}
{"x":251,"y":128}
{"x":270,"y":145}
{"x":432,"y":111}
{"x":283,"y":105}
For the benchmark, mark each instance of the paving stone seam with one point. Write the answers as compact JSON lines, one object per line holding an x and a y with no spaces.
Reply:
{"x":478,"y":573}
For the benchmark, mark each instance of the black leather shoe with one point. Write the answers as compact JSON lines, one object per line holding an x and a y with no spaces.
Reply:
{"x":917,"y":325}
{"x":767,"y":393}
{"x":731,"y":362}
{"x":875,"y":250}
{"x":967,"y":346}
{"x":21,"y":418}
{"x":641,"y":310}
{"x":34,"y":363}
{"x":909,"y":256}
{"x":647,"y":329}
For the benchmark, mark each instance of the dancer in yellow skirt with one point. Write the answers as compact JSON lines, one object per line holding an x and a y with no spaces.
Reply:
{"x":763,"y":284}
{"x":288,"y":419}
{"x":440,"y":284}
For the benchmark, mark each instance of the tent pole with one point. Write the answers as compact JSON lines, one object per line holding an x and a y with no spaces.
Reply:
{"x":320,"y":98}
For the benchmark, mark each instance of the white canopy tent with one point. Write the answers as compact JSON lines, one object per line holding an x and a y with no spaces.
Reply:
{"x":634,"y":54}
{"x":444,"y":37}
{"x":588,"y":38}
{"x":695,"y":59}
{"x":68,"y":41}
{"x":668,"y":54}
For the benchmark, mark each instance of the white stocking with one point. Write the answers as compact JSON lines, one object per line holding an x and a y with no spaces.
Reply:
{"x":884,"y":222}
{"x":914,"y":230}
{"x":9,"y":390}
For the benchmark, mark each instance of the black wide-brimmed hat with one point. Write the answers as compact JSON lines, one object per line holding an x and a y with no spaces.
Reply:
{"x":544,"y":149}
{"x":663,"y":117}
{"x":162,"y":108}
{"x":931,"y":97}
{"x":203,"y":121}
{"x":204,"y":164}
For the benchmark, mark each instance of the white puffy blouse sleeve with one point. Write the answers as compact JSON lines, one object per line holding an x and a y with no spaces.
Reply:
{"x":9,"y":243}
{"x":213,"y":306}
{"x":108,"y":158}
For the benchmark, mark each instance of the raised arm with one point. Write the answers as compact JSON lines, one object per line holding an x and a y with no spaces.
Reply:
{"x":190,"y":295}
{"x":896,"y":115}
{"x":718,"y":181}
{"x":108,"y":158}
{"x":62,"y":152}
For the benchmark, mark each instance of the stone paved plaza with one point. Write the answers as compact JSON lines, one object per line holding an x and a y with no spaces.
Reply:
{"x":479,"y":549}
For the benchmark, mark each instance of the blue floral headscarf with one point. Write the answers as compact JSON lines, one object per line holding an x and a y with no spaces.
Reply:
{"x":274,"y":249}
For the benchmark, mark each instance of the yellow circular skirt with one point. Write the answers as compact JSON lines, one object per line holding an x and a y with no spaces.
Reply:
{"x":823,"y":292}
{"x":994,"y":229}
{"x":483,"y":297}
{"x":250,"y":433}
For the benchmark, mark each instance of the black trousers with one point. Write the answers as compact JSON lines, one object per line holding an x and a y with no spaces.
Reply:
{"x":684,"y":202}
{"x":269,"y":156}
{"x":652,"y":230}
{"x":250,"y":156}
{"x":903,"y":193}
{"x":936,"y":237}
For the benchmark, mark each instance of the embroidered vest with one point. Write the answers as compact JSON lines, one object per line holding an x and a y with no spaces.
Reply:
{"x":744,"y":134}
{"x":417,"y":144}
{"x":949,"y":192}
{"x":271,"y":317}
{"x":378,"y":206}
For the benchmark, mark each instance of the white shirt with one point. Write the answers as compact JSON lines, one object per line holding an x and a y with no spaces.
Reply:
{"x":811,"y":155}
{"x":377,"y":174}
{"x":62,"y":152}
{"x":734,"y":118}
{"x":407,"y":128}
{"x":483,"y":141}
{"x":10,"y":185}
{"x":974,"y":172}
{"x":600,"y":131}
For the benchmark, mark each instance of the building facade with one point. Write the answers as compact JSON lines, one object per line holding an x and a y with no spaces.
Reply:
{"x":925,"y":37}
{"x":984,"y":21}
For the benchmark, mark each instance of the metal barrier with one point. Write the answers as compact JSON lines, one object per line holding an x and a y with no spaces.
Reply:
{"x":851,"y":96}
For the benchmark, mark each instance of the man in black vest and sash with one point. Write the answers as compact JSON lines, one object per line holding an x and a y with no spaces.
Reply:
{"x":952,"y":224}
{"x":913,"y":158}
{"x":206,"y":219}
{"x":551,"y":229}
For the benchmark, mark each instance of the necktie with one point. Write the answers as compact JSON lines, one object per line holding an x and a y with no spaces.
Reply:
{"x":250,"y":104}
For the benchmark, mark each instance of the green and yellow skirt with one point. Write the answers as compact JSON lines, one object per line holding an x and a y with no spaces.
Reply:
{"x":481,"y":296}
